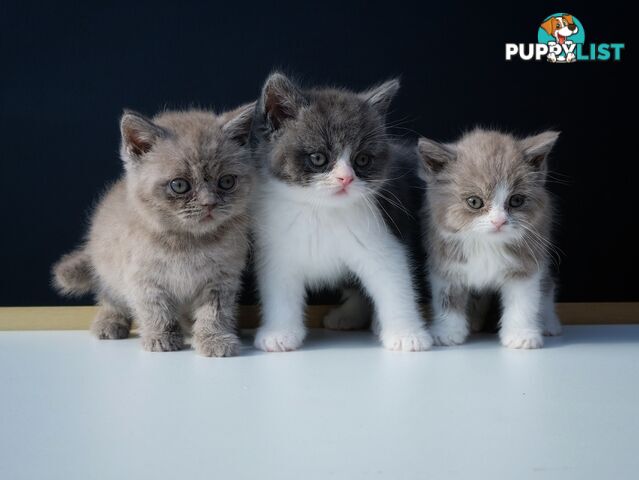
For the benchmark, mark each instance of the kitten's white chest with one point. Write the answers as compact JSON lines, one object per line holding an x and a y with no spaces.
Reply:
{"x":318,"y":240}
{"x":486,"y":264}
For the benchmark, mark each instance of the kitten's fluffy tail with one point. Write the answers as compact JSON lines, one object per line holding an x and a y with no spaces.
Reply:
{"x":72,"y":274}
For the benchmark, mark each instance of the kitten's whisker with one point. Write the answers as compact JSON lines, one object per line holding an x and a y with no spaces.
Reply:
{"x":548,"y":247}
{"x":371,"y":208}
{"x":399,"y":205}
{"x":390,"y":218}
{"x":532,"y":253}
{"x":546,"y":240}
{"x":379,"y":195}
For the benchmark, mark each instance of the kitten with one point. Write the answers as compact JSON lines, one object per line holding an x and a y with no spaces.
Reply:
{"x":488,"y":219}
{"x":326,"y":157}
{"x":168,"y":241}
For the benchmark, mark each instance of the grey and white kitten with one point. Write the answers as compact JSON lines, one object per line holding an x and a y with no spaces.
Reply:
{"x":168,"y":241}
{"x":488,"y":220}
{"x":326,"y":157}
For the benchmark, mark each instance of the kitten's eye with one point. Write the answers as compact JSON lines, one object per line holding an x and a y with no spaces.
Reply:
{"x":516,"y":201}
{"x":226,"y":182}
{"x":475,"y":202}
{"x":317,"y":159}
{"x":362,"y":160}
{"x":180,"y":185}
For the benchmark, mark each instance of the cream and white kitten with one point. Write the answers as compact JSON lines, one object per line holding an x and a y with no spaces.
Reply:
{"x":487,"y":219}
{"x":326,"y":157}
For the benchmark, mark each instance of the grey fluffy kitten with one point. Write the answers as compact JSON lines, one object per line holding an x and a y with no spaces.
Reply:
{"x":488,"y":220}
{"x":326,"y":159}
{"x":168,"y":241}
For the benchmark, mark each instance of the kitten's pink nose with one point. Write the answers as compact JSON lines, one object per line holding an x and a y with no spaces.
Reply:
{"x":345,"y":180}
{"x":207,"y":200}
{"x":498,"y":222}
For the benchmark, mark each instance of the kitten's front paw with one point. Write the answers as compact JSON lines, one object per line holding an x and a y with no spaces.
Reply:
{"x":222,"y":345}
{"x":279,"y":340}
{"x":166,"y":342}
{"x":407,"y":341}
{"x":525,"y":339}
{"x":110,"y":326}
{"x":447,"y":334}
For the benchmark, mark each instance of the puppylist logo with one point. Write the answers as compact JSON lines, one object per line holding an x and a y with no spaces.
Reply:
{"x":561,"y":39}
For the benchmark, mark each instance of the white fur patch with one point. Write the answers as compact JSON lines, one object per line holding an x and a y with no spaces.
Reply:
{"x":304,"y":240}
{"x":520,"y":321}
{"x":344,"y":161}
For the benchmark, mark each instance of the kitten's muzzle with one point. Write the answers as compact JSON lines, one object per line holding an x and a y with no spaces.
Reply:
{"x":499,"y":223}
{"x":207,"y":211}
{"x":206,"y":198}
{"x":345,"y":180}
{"x":207,"y":218}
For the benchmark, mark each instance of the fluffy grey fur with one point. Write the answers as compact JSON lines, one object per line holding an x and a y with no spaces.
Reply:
{"x":168,"y":241}
{"x":321,"y":120}
{"x":488,"y":219}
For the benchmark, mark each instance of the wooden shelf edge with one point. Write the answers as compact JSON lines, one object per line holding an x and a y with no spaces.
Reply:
{"x":79,"y":318}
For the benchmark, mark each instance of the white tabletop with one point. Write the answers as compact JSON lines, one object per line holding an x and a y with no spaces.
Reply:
{"x":72,"y":407}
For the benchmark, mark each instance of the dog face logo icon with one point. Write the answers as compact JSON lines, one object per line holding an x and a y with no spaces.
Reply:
{"x":561,"y":39}
{"x":560,"y":27}
{"x":561,"y":32}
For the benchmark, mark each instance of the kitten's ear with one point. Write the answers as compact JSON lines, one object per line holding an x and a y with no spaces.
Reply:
{"x":435,"y":156}
{"x":537,"y":148}
{"x":139,"y":134}
{"x":281,"y":100}
{"x":238,"y":126}
{"x":381,"y":96}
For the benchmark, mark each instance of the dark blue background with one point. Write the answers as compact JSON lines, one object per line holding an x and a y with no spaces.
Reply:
{"x":68,"y":69}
